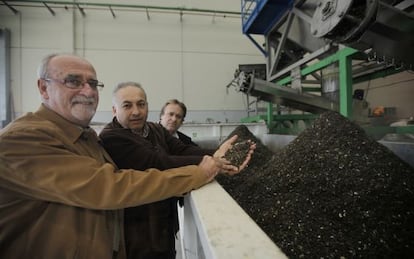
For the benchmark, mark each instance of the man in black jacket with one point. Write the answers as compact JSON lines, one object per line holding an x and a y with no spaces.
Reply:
{"x":172,"y":117}
{"x":135,"y":143}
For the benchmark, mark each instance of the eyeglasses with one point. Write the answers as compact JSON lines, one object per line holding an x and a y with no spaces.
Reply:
{"x":74,"y":83}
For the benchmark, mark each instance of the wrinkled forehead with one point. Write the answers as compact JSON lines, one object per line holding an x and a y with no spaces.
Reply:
{"x":174,"y":108}
{"x":64,"y":65}
{"x":130,"y":94}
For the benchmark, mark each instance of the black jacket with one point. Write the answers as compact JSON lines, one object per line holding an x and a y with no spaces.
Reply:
{"x":150,"y":229}
{"x":185,"y":139}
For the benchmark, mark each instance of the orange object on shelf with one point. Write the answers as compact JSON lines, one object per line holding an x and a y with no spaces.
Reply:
{"x":378,"y":111}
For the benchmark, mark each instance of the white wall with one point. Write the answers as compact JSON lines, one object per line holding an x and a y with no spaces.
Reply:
{"x":191,"y":59}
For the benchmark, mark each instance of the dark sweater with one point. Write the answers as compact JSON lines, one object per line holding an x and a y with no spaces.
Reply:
{"x":185,"y":139}
{"x":150,"y":229}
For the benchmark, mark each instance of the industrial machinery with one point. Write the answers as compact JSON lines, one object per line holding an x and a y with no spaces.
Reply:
{"x":315,"y":50}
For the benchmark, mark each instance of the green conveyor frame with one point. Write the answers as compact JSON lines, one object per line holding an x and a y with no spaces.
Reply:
{"x":344,"y":59}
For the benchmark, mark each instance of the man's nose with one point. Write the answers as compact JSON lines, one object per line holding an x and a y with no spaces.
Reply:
{"x":87,"y":89}
{"x":135,"y":110}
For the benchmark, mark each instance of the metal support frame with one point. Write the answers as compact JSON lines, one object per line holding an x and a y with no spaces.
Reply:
{"x":344,"y":58}
{"x":5,"y":93}
{"x":345,"y":82}
{"x":14,"y":10}
{"x":276,"y":57}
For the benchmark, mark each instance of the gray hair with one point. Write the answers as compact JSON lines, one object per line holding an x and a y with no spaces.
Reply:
{"x":42,"y":69}
{"x":126,"y":84}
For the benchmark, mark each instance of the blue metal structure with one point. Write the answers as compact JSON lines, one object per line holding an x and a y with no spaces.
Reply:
{"x":259,"y":16}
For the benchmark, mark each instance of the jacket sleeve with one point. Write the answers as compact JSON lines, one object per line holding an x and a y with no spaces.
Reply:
{"x":129,"y":151}
{"x":40,"y":166}
{"x":176,"y":146}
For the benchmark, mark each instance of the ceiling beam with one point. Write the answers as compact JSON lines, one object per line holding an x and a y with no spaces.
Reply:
{"x":113,"y":6}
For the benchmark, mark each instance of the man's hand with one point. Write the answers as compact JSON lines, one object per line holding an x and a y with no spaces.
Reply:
{"x":221,"y":151}
{"x":231,"y":169}
{"x":225,"y":166}
{"x":213,"y":165}
{"x":248,"y":157}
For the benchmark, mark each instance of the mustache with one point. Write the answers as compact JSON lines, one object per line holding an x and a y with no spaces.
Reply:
{"x":84,"y":99}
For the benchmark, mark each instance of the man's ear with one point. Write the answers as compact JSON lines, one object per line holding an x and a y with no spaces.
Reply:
{"x":41,"y":85}
{"x":113,"y":110}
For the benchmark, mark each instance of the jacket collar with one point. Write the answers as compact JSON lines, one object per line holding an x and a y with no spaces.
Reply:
{"x":71,"y":130}
{"x":116,"y":125}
